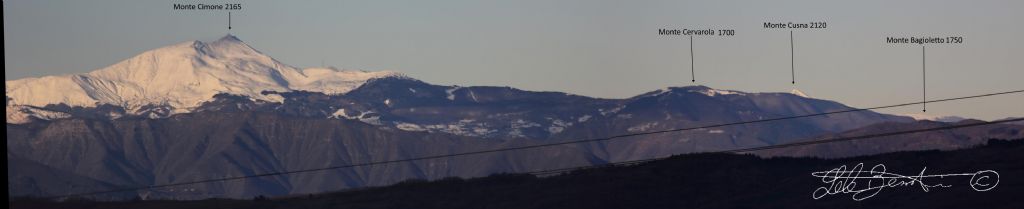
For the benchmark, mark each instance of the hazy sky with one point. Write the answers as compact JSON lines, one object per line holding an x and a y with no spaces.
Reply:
{"x":587,"y":47}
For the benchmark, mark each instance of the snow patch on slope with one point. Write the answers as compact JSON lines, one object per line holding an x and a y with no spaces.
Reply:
{"x":610,"y":111}
{"x":451,"y":92}
{"x":799,"y":93}
{"x":583,"y":118}
{"x":642,"y":127}
{"x":464,"y":127}
{"x":714,"y":92}
{"x":558,"y":125}
{"x":948,"y":119}
{"x":409,"y":126}
{"x":23,"y":114}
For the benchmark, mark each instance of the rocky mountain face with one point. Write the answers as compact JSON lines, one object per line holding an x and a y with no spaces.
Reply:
{"x":200,"y":111}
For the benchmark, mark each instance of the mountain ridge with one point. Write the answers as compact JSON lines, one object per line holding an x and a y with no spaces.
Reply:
{"x":182,"y":77}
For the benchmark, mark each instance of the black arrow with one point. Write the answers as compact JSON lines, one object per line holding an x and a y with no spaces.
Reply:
{"x":792,"y":58}
{"x":924,"y":84}
{"x":693,"y":77}
{"x":229,"y":20}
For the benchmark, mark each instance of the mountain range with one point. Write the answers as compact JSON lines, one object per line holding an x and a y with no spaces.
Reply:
{"x":195,"y":110}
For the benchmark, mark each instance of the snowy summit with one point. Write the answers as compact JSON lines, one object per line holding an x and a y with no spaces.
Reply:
{"x":798,"y":93}
{"x":182,"y":76}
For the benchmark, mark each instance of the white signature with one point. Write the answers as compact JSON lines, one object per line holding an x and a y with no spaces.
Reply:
{"x":866,"y":184}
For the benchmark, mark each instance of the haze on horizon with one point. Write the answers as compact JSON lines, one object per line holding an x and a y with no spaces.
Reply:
{"x":595,"y":48}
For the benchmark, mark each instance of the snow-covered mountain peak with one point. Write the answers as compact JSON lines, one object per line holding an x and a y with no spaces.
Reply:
{"x":699,"y":89}
{"x":229,"y":38}
{"x":183,"y":76}
{"x":711,"y":91}
{"x":231,"y":46}
{"x":798,"y":93}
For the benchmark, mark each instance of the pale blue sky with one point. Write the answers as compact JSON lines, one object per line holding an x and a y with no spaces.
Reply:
{"x":588,"y":47}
